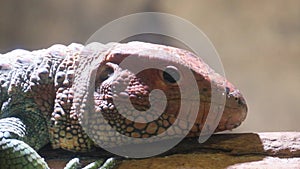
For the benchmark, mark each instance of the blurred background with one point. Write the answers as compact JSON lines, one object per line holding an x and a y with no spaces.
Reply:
{"x":259,"y":43}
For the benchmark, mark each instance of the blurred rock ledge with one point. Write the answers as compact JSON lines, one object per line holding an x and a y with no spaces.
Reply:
{"x":242,"y":150}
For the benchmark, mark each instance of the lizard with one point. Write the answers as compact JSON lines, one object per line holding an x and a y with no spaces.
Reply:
{"x":40,"y":105}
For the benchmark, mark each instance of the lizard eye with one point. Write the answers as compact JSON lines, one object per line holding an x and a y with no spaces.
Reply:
{"x":171,"y":75}
{"x":106,"y":73}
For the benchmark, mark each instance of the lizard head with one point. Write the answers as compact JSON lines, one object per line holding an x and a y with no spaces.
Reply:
{"x":143,"y":101}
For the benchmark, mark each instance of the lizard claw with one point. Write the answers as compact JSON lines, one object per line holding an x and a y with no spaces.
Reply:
{"x":73,"y":164}
{"x":108,"y":164}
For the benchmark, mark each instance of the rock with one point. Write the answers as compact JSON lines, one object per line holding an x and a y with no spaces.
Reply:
{"x":243,"y":150}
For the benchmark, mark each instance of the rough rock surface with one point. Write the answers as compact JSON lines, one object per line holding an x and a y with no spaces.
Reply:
{"x":244,"y":150}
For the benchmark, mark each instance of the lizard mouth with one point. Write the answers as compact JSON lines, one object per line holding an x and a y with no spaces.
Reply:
{"x":134,"y":120}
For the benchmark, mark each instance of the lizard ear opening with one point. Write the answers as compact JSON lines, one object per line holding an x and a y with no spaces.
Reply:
{"x":171,"y":75}
{"x":104,"y":73}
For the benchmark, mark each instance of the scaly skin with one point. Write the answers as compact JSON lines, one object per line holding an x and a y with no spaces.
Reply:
{"x":30,"y":81}
{"x":37,"y":91}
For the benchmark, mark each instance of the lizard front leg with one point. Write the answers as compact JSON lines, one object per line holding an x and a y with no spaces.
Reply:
{"x":20,"y":138}
{"x":14,"y":151}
